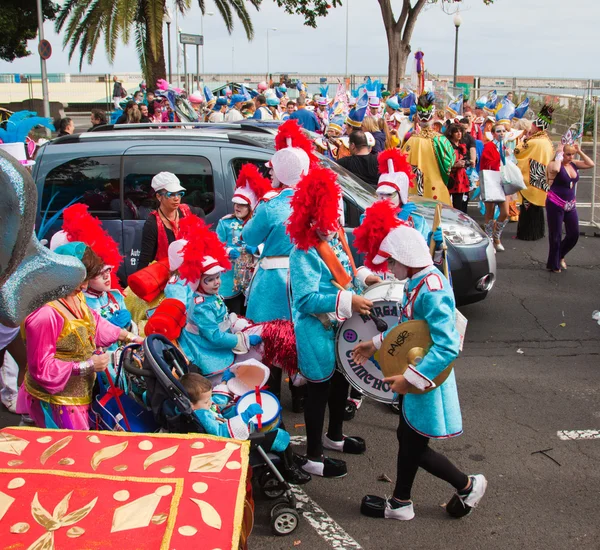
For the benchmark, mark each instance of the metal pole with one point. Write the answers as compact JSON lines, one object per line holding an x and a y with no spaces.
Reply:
{"x":455,"y":57}
{"x":202,"y":33}
{"x":45,"y":95}
{"x":198,"y":66}
{"x":232,"y":60}
{"x":178,"y":46}
{"x":585,"y":96}
{"x":267,"y":55}
{"x":169,"y":48}
{"x":347,"y":9}
{"x":595,"y":142}
{"x":185,"y":74}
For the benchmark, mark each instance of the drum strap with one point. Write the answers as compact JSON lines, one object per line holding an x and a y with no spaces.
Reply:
{"x":334,"y":265}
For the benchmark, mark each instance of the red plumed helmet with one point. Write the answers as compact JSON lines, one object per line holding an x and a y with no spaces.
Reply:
{"x":380,"y":218}
{"x":202,"y":251}
{"x":315,"y":207}
{"x":291,"y":135}
{"x":396,"y":159}
{"x":251,"y":185}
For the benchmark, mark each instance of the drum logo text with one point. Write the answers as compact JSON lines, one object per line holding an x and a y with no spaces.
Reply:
{"x":363,"y":374}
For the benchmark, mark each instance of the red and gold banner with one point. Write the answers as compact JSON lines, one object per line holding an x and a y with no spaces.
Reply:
{"x":63,"y":489}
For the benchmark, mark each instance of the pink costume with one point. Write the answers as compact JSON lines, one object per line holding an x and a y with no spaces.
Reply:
{"x":54,"y":393}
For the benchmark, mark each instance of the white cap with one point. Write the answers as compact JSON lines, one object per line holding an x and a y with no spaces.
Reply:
{"x":245,"y":195}
{"x":166,"y":181}
{"x":323,"y":100}
{"x":374,"y":101}
{"x":17,"y":150}
{"x":370,"y":139}
{"x":289,"y":165}
{"x":405,"y":245}
{"x":58,"y":239}
{"x":210,"y":266}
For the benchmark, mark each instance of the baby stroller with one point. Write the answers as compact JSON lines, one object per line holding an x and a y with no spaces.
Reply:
{"x":173,"y":412}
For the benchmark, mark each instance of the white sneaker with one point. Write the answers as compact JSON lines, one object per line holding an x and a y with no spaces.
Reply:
{"x":498,"y":246}
{"x":479,"y":486}
{"x":404,"y":513}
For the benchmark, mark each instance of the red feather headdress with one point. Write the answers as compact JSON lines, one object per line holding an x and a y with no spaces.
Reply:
{"x":201,"y":242}
{"x":315,"y":207}
{"x":380,"y":218}
{"x":80,"y":225}
{"x":290,"y":130}
{"x":250,"y":176}
{"x":400,"y":163}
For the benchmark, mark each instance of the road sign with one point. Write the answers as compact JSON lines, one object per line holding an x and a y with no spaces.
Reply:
{"x":194,"y":39}
{"x":44,"y":49}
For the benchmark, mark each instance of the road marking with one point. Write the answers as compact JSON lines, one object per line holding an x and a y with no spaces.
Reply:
{"x":297,"y":440}
{"x":569,"y":435}
{"x":327,"y":528}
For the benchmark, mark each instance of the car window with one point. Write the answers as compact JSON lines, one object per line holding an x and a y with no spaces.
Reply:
{"x":93,"y":181}
{"x":194,"y":172}
{"x":237,"y":163}
{"x":362,"y":193}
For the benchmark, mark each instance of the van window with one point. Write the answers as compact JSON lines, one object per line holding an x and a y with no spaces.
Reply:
{"x":237,"y":163}
{"x":93,"y":181}
{"x":194,"y":172}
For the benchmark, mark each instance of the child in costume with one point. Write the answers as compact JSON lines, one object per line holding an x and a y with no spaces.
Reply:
{"x":436,"y":413}
{"x":251,"y":185}
{"x":238,"y":426}
{"x":324,"y":280}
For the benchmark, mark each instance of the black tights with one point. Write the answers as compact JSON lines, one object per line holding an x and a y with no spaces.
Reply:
{"x":414,"y":452}
{"x":334,"y":393}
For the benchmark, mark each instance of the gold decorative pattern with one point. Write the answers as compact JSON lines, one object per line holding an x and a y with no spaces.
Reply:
{"x":75,"y":532}
{"x":121,"y":496}
{"x":233,"y":465}
{"x":200,"y":487}
{"x":159,"y":519}
{"x":145,"y":445}
{"x":167,"y":470}
{"x":160,"y":455}
{"x":15,"y":483}
{"x":45,"y":439}
{"x":209,"y":514}
{"x":5,"y":503}
{"x":210,"y":462}
{"x":197,"y":445}
{"x":66,"y":462}
{"x":163,"y":490}
{"x":12,"y":445}
{"x":187,"y":531}
{"x":135,"y":514}
{"x":120,"y":468}
{"x":21,"y":527}
{"x":106,"y":453}
{"x":93,"y":439}
{"x":54,"y":448}
{"x":14,"y":462}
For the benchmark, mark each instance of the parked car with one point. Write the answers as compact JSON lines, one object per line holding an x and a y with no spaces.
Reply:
{"x":111,"y":172}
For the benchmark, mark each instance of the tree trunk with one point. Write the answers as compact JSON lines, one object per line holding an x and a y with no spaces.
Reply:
{"x":155,"y":68}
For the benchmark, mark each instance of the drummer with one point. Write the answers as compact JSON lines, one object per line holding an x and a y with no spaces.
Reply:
{"x":435,"y":414}
{"x":324,"y":280}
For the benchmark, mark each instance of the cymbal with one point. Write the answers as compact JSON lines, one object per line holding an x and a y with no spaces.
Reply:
{"x":407,"y":344}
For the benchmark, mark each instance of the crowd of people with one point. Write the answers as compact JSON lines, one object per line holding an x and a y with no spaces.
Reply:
{"x":277,"y":279}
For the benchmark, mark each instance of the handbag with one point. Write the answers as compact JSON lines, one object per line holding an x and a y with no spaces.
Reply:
{"x":490,"y":183}
{"x":512,"y":179}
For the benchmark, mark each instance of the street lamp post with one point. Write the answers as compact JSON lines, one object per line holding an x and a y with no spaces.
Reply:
{"x":208,"y":13}
{"x":167,"y":19}
{"x":457,"y":23}
{"x":347,"y":9}
{"x":269,"y":29}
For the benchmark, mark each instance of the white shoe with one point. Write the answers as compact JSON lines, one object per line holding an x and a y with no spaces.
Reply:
{"x":10,"y":403}
{"x":404,"y":513}
{"x":498,"y":246}
{"x":479,"y":486}
{"x":379,"y":507}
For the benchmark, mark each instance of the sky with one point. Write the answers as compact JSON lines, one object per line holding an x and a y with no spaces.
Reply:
{"x":537,"y":38}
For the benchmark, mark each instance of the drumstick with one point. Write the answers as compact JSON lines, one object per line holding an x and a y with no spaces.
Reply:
{"x":437,"y":219}
{"x":380,"y":324}
{"x":259,"y":403}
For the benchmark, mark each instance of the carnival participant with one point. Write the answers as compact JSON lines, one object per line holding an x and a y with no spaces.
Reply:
{"x":435,"y":414}
{"x":235,"y":112}
{"x":375,"y":107}
{"x":323,"y":279}
{"x":370,"y":124}
{"x":63,"y":338}
{"x":289,"y":109}
{"x":533,"y":158}
{"x":273,"y":106}
{"x":430,"y":154}
{"x":261,"y":111}
{"x":218,"y":111}
{"x":162,"y":226}
{"x":322,"y":109}
{"x":131,"y":114}
{"x":561,"y":205}
{"x":268,"y":293}
{"x":305,"y":118}
{"x":250,"y":188}
{"x":458,"y":182}
{"x":361,"y":162}
{"x":493,"y":156}
{"x":248,"y":109}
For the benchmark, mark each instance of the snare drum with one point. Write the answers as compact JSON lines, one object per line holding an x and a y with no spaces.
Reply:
{"x":367,"y":378}
{"x":271,"y":417}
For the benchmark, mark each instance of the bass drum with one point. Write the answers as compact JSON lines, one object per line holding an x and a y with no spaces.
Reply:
{"x":367,"y":378}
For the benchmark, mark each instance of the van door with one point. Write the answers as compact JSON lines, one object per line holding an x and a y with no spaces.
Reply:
{"x":198,"y":169}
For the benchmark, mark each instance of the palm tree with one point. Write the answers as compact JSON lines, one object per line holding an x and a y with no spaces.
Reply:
{"x":86,"y":21}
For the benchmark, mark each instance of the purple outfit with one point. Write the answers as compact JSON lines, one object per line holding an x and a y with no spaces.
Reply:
{"x":560,"y":208}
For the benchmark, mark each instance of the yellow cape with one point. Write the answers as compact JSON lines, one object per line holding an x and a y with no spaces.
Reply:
{"x":421,"y":154}
{"x":539,"y":149}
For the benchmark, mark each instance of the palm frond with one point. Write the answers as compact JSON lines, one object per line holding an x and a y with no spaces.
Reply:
{"x":64,"y":13}
{"x":225,"y":11}
{"x":140,"y":44}
{"x":242,"y":13}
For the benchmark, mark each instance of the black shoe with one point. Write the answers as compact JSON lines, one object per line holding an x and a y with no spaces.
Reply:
{"x":378,"y":507}
{"x":298,"y":404}
{"x":352,"y":445}
{"x":295,"y":475}
{"x":350,"y":410}
{"x":329,"y":467}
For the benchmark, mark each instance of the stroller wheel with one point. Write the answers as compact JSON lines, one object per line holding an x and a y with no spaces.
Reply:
{"x":284,"y":520}
{"x":270,"y":486}
{"x":350,"y":410}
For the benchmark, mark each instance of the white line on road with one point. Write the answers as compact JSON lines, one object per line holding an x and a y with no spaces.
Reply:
{"x":297,"y":440}
{"x":327,"y":528}
{"x":568,"y":435}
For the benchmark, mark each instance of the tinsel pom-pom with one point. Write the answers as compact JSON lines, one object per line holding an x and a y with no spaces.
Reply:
{"x":279,"y":343}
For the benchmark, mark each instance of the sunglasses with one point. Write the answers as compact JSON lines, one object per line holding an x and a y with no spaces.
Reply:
{"x":500,"y":131}
{"x":173,"y":194}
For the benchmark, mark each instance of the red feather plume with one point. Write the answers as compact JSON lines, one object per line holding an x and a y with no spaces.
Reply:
{"x":80,"y":225}
{"x":250,"y":175}
{"x":315,"y":206}
{"x":201,"y":242}
{"x":291,"y":129}
{"x":400,"y":161}
{"x":380,"y":218}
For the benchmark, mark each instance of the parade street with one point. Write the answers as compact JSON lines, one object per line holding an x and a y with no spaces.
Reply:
{"x":528,"y":372}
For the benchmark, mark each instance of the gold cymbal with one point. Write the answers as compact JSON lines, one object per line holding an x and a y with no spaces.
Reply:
{"x":407,"y":344}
